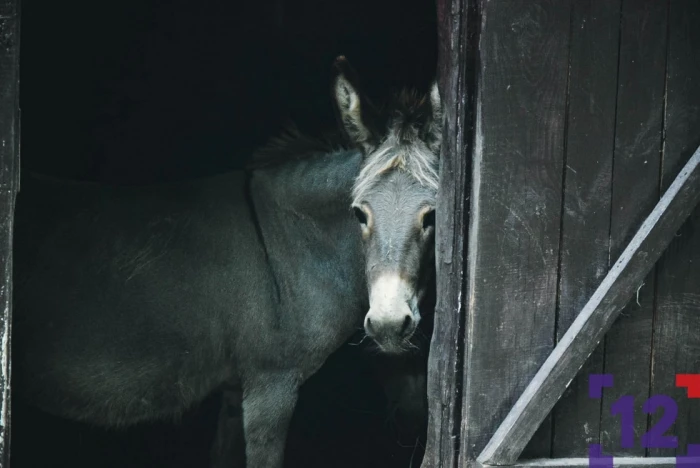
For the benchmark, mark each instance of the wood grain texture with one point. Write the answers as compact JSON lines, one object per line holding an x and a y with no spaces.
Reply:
{"x":596,"y":318}
{"x":677,"y":319}
{"x":635,"y":191}
{"x":9,"y":178}
{"x":457,"y":20}
{"x":584,"y":246}
{"x":515,"y":210}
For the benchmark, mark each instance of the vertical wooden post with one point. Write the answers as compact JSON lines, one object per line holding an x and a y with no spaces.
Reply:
{"x":516,"y":202}
{"x":9,"y":184}
{"x":457,"y":30}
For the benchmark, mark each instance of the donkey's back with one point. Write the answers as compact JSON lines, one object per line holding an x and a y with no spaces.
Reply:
{"x":126,"y":298}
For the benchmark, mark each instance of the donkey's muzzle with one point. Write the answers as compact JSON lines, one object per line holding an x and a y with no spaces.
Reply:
{"x":391,"y":331}
{"x":391,"y":320}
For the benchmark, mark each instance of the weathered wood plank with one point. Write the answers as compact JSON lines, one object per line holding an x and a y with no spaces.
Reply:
{"x":584,"y":246}
{"x":618,"y":462}
{"x":515,"y":211}
{"x":9,"y":93}
{"x":596,"y":318}
{"x":457,"y":22}
{"x":635,"y":192}
{"x":7,"y":199}
{"x":9,"y":171}
{"x":676,"y":341}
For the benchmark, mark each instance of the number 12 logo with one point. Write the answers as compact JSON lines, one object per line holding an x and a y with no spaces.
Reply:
{"x":654,"y":438}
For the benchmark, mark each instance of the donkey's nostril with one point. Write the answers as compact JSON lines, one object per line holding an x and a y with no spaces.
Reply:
{"x":407,"y":321}
{"x":368,"y":326}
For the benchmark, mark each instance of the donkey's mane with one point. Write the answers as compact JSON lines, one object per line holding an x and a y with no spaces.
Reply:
{"x":293,"y":145}
{"x":406,"y":112}
{"x":404,"y":121}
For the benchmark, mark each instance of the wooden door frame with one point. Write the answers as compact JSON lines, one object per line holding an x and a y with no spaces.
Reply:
{"x":9,"y":185}
{"x":457,"y":31}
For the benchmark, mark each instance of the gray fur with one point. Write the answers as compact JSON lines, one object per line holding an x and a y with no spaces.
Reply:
{"x":133,"y":304}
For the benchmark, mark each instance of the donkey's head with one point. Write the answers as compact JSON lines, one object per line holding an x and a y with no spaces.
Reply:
{"x":394,"y":201}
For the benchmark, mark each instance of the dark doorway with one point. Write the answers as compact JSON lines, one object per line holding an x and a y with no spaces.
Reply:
{"x":143,"y":91}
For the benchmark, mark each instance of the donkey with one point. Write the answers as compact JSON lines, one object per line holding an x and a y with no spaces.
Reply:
{"x":135,"y":303}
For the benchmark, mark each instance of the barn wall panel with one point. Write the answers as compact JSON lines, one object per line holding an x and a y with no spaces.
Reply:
{"x":635,"y":191}
{"x":585,"y":241}
{"x":676,"y":347}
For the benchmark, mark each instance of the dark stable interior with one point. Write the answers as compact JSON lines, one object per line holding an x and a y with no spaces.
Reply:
{"x":145,"y":91}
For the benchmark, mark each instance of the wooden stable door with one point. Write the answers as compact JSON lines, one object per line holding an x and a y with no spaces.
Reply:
{"x":567,"y":173}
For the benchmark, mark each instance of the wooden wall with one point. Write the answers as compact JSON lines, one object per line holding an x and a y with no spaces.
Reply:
{"x":585,"y":110}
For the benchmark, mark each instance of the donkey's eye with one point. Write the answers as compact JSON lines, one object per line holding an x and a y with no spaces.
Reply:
{"x":429,"y":219}
{"x":360,"y":215}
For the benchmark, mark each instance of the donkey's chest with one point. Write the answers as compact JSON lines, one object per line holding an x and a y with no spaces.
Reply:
{"x":311,"y":323}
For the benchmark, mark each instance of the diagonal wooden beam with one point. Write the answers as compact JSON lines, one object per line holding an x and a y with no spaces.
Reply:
{"x":597,"y":316}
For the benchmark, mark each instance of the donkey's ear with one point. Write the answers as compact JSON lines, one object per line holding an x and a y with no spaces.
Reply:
{"x":355,"y":112}
{"x":434,"y":136}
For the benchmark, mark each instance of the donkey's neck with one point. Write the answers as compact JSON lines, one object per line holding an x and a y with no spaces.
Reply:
{"x":316,"y":186}
{"x":314,"y":243}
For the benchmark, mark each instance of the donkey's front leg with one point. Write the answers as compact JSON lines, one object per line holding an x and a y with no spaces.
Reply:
{"x":228,"y":449}
{"x":268,"y":405}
